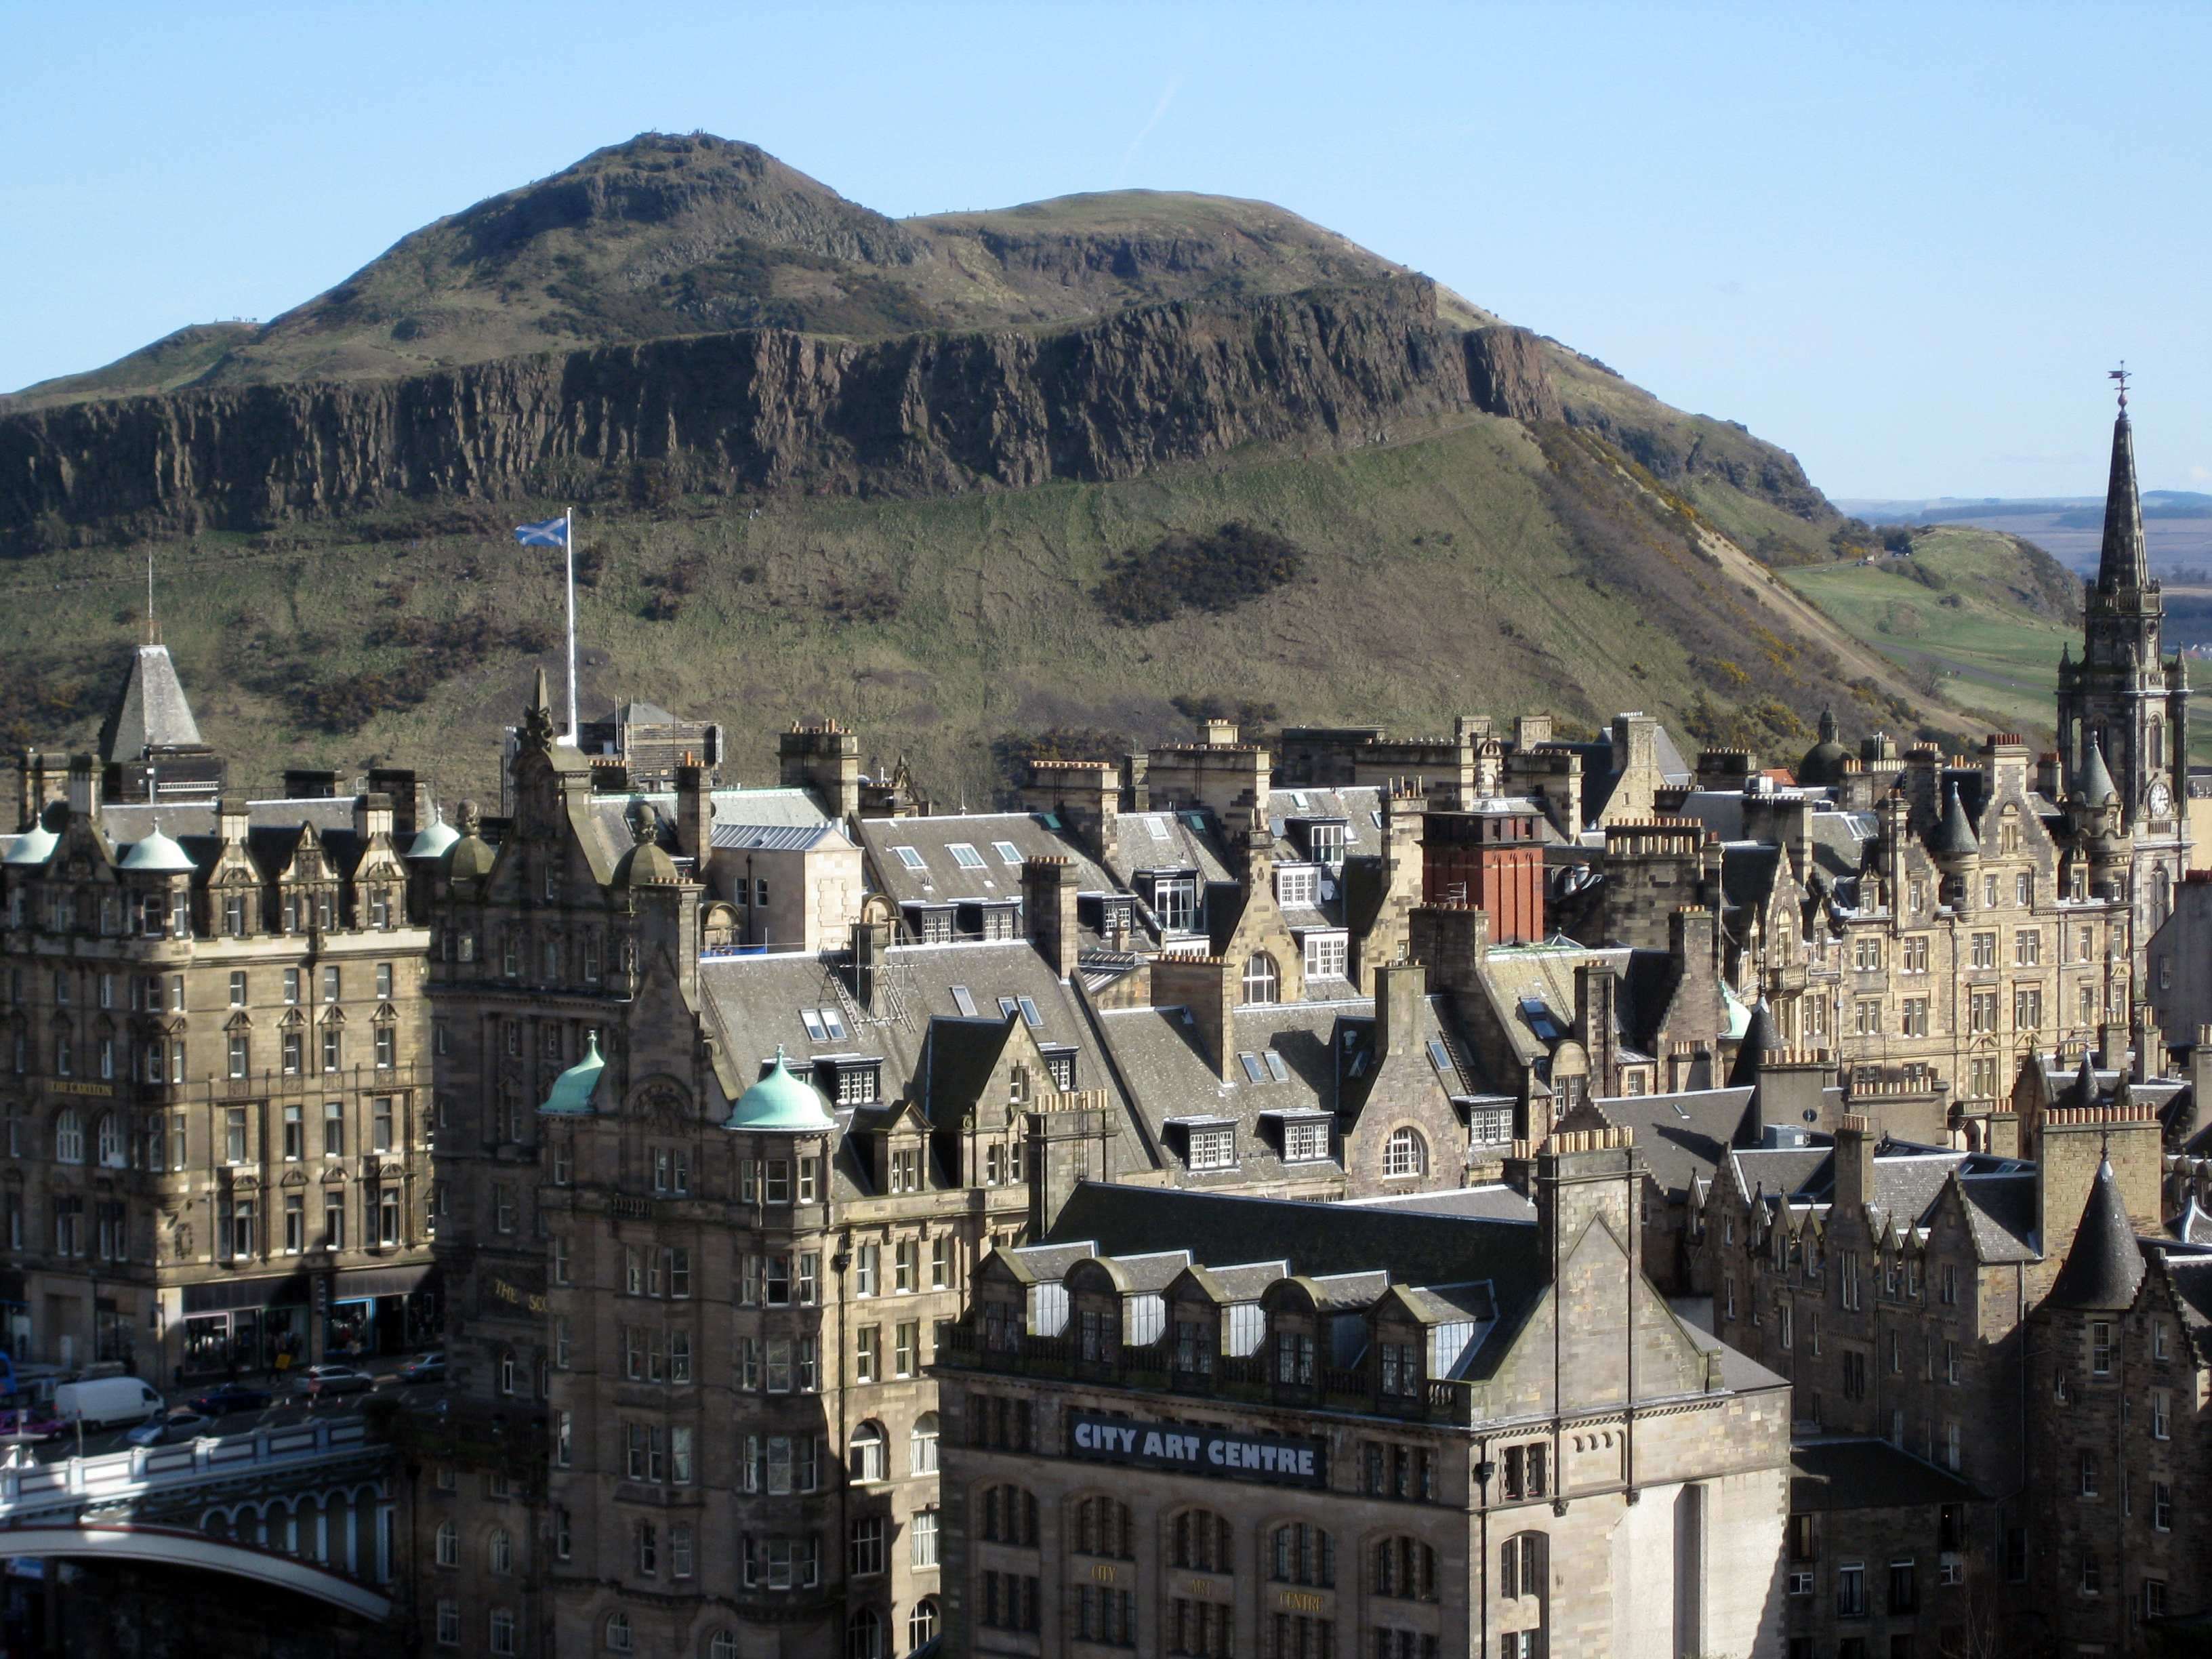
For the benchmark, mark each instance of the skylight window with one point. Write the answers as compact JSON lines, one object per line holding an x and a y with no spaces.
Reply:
{"x":909,"y":858}
{"x":1008,"y":1006}
{"x":823,"y":1024}
{"x":964,"y":855}
{"x":1255,"y":1070}
{"x":1275,"y":1067}
{"x":1440,"y":1057}
{"x":964,"y":1002}
{"x":1007,"y":851}
{"x":1157,"y":825}
{"x":1029,"y":1012}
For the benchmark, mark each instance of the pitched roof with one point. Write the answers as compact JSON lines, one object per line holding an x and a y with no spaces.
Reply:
{"x":1315,"y":1239}
{"x":152,"y":712}
{"x":2104,"y":1266}
{"x":2093,"y":782}
{"x":1869,"y":1474}
{"x":1954,"y":834}
{"x":1683,"y":1137}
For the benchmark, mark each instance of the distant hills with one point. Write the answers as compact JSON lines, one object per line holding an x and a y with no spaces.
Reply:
{"x":835,"y":463}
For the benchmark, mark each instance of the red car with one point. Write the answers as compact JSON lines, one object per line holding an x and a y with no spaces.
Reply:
{"x":30,"y":1423}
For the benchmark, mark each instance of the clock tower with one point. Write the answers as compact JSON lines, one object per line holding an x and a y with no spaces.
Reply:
{"x":2123,"y":709}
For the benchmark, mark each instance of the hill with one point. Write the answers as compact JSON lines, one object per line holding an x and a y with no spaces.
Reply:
{"x":1979,"y":614}
{"x":1056,"y":475}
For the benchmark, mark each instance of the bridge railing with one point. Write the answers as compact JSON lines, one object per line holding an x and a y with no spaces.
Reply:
{"x":41,"y":1485}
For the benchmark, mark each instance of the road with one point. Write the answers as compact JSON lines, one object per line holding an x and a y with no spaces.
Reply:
{"x":284,"y":1409}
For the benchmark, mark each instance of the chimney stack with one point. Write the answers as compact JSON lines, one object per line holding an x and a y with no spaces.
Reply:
{"x":1049,"y":909}
{"x":694,"y":812}
{"x":1856,"y":1140}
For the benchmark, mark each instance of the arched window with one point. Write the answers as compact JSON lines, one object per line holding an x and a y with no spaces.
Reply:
{"x":1200,"y":1540}
{"x":110,"y":1141}
{"x":1521,"y":1566}
{"x":722,"y":1645}
{"x":618,"y":1632}
{"x":449,"y":1545}
{"x":1262,"y":982}
{"x":503,"y":1550}
{"x":1406,"y":1568}
{"x":1305,"y":1554}
{"x":864,"y":1636}
{"x":1010,"y":1516}
{"x":1102,"y":1527}
{"x":69,"y":1137}
{"x":1406,"y":1153}
{"x":921,"y":1445}
{"x":866,"y":1459}
{"x":922,"y":1624}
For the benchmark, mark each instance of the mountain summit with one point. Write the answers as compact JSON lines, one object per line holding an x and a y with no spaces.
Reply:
{"x":668,"y":235}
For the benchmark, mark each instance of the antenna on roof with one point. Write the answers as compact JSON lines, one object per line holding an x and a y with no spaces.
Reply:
{"x":2121,"y":375}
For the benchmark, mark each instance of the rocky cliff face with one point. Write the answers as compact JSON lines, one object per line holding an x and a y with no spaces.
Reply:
{"x":766,"y":410}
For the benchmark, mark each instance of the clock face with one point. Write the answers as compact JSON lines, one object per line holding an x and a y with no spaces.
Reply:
{"x":2160,"y":799}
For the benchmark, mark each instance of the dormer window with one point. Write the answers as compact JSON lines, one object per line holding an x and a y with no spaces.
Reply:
{"x":1061,"y":1063}
{"x":1294,"y":885}
{"x":1193,"y":1347}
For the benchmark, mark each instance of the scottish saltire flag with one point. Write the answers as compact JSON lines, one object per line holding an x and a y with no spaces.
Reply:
{"x":554,"y":533}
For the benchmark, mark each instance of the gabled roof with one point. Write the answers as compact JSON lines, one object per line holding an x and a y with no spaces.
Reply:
{"x":152,"y":712}
{"x":944,"y":879}
{"x":1683,"y":1137}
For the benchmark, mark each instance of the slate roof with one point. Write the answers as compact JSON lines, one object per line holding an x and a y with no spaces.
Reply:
{"x":1317,"y":1239}
{"x":1683,"y":1137}
{"x":1492,"y":1202}
{"x":752,"y":1005}
{"x":2000,"y":1193}
{"x":944,"y":880}
{"x":152,"y":713}
{"x":2104,"y":1265}
{"x":1182,"y":840}
{"x":128,"y":821}
{"x":1865,"y":1474}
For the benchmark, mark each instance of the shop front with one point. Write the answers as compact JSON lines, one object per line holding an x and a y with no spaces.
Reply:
{"x":374,"y":1312}
{"x":244,"y":1327}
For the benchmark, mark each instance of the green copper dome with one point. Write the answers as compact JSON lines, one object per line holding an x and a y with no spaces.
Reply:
{"x":155,"y":853}
{"x":432,"y":842}
{"x":779,"y":1101}
{"x":572,"y":1090}
{"x":35,"y":845}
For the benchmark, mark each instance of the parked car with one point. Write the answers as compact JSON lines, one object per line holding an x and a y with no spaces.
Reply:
{"x":425,"y":1368}
{"x":334,"y":1379}
{"x":30,"y":1423}
{"x":100,"y":1402}
{"x":230,"y":1397}
{"x":178,"y":1423}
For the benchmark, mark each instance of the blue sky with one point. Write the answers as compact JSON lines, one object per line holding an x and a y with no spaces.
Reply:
{"x":1903,"y":242}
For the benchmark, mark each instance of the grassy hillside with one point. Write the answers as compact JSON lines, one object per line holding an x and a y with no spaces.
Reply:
{"x":1456,"y":569}
{"x":1984,"y":615}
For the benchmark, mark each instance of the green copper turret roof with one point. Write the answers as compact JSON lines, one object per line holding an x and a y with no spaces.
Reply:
{"x":573,"y":1089}
{"x":780,"y":1101}
{"x":432,"y":842}
{"x":35,"y":845}
{"x":154,"y":853}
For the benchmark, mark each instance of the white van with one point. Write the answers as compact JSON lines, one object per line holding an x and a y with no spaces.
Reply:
{"x":104,"y":1401}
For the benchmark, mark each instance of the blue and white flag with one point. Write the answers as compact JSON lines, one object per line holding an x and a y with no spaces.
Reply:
{"x":554,"y":533}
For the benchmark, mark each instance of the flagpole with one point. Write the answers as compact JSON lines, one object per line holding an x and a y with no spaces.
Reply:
{"x":568,"y":539}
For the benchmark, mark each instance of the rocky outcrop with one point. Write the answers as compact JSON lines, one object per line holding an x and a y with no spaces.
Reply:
{"x":1507,"y":374}
{"x":766,"y":410}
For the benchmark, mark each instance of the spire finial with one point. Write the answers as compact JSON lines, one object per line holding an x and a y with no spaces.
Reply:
{"x":2121,"y":375}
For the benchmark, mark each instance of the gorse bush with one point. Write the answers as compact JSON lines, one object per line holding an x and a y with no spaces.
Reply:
{"x":1217,"y":571}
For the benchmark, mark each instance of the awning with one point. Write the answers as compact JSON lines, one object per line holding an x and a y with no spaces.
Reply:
{"x":216,"y":1295}
{"x":362,"y":1282}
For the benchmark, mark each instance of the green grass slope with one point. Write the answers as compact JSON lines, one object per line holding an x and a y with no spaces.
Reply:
{"x":1981,"y":616}
{"x":1471,"y":566}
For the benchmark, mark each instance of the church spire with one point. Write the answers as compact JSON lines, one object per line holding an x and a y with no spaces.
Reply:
{"x":2123,"y":563}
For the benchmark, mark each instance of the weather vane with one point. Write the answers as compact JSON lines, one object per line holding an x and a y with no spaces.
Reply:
{"x":2121,"y":375}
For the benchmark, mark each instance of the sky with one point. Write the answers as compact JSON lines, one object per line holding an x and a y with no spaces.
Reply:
{"x":1904,"y":242}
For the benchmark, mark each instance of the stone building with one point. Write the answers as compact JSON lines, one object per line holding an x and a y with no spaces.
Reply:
{"x":2124,"y":707}
{"x":1193,"y":1423}
{"x":218,"y":1118}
